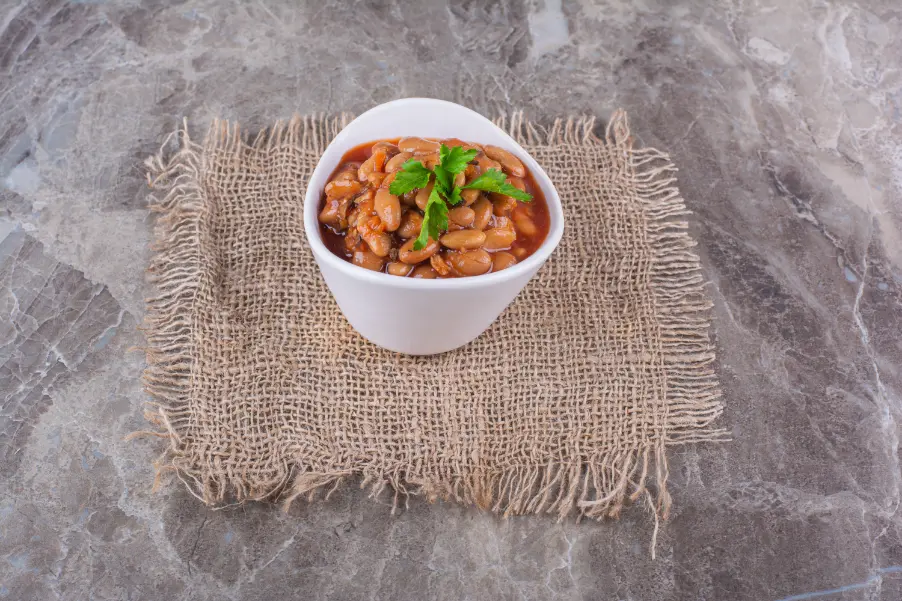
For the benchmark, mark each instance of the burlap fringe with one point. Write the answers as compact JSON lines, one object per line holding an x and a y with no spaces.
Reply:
{"x":593,"y":489}
{"x":174,"y":270}
{"x":692,"y":400}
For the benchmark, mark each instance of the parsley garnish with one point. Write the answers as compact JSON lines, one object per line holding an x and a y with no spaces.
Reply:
{"x":456,"y":159}
{"x":414,"y":175}
{"x":495,"y":181}
{"x":435,"y":219}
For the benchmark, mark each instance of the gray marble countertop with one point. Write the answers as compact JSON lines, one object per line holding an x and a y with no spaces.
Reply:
{"x":785,"y":117}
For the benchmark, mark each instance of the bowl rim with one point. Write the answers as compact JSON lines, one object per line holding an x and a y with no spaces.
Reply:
{"x":530,"y":264}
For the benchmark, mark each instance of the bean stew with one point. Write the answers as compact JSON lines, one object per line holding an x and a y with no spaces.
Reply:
{"x":362,"y":222}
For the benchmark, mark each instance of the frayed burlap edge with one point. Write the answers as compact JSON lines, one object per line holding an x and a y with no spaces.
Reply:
{"x":594,"y":489}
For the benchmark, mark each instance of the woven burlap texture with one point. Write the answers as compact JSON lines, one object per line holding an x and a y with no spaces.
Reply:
{"x":565,"y":405}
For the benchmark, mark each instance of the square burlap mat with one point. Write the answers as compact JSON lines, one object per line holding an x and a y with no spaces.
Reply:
{"x":566,"y":405}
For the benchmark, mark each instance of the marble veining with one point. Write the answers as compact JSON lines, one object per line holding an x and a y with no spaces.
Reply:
{"x":785,"y":118}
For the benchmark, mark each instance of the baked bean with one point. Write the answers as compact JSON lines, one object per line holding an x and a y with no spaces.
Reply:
{"x":396,"y":162}
{"x":364,"y":223}
{"x":499,"y":238}
{"x":366,"y":196}
{"x":482,"y":213}
{"x":469,"y":195}
{"x":410,"y":256}
{"x":379,"y":243}
{"x":429,"y":160}
{"x":411,"y":222}
{"x":524,"y":224}
{"x":502,"y":223}
{"x":343,"y":208}
{"x":347,"y":173}
{"x":502,"y":260}
{"x":439,"y":265}
{"x":503,"y":205}
{"x":509,"y":162}
{"x":352,"y":219}
{"x":424,"y":272}
{"x":363,"y":257}
{"x":399,"y":269}
{"x":351,"y":240}
{"x":418,"y":145}
{"x":388,"y":179}
{"x":452,"y":142}
{"x":470,"y":262}
{"x":462,"y":216}
{"x":389,"y":148}
{"x":485,"y":163}
{"x":343,"y":188}
{"x":463,"y":239}
{"x":423,"y":195}
{"x":409,"y":199}
{"x":366,"y":203}
{"x":388,"y":208}
{"x":373,"y":164}
{"x":335,"y":212}
{"x":522,"y":208}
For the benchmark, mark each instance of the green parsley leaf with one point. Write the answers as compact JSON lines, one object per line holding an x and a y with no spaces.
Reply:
{"x":435,"y":220}
{"x":413,"y":175}
{"x":454,"y":160}
{"x":495,"y":181}
{"x":444,"y":181}
{"x":454,"y":198}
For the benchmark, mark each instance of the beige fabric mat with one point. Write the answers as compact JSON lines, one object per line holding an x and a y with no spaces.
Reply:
{"x":566,"y":405}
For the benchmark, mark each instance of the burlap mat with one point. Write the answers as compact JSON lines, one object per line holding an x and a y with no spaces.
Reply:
{"x":565,"y":405}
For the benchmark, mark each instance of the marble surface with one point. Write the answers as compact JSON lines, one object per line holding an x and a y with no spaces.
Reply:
{"x":785,"y":117}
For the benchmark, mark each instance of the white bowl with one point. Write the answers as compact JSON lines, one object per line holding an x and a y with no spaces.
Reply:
{"x":414,"y":316}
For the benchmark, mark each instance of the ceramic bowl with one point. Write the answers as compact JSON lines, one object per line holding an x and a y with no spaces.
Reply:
{"x":416,"y":316}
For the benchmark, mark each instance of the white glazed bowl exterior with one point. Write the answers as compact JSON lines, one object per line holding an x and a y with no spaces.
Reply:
{"x":414,"y":316}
